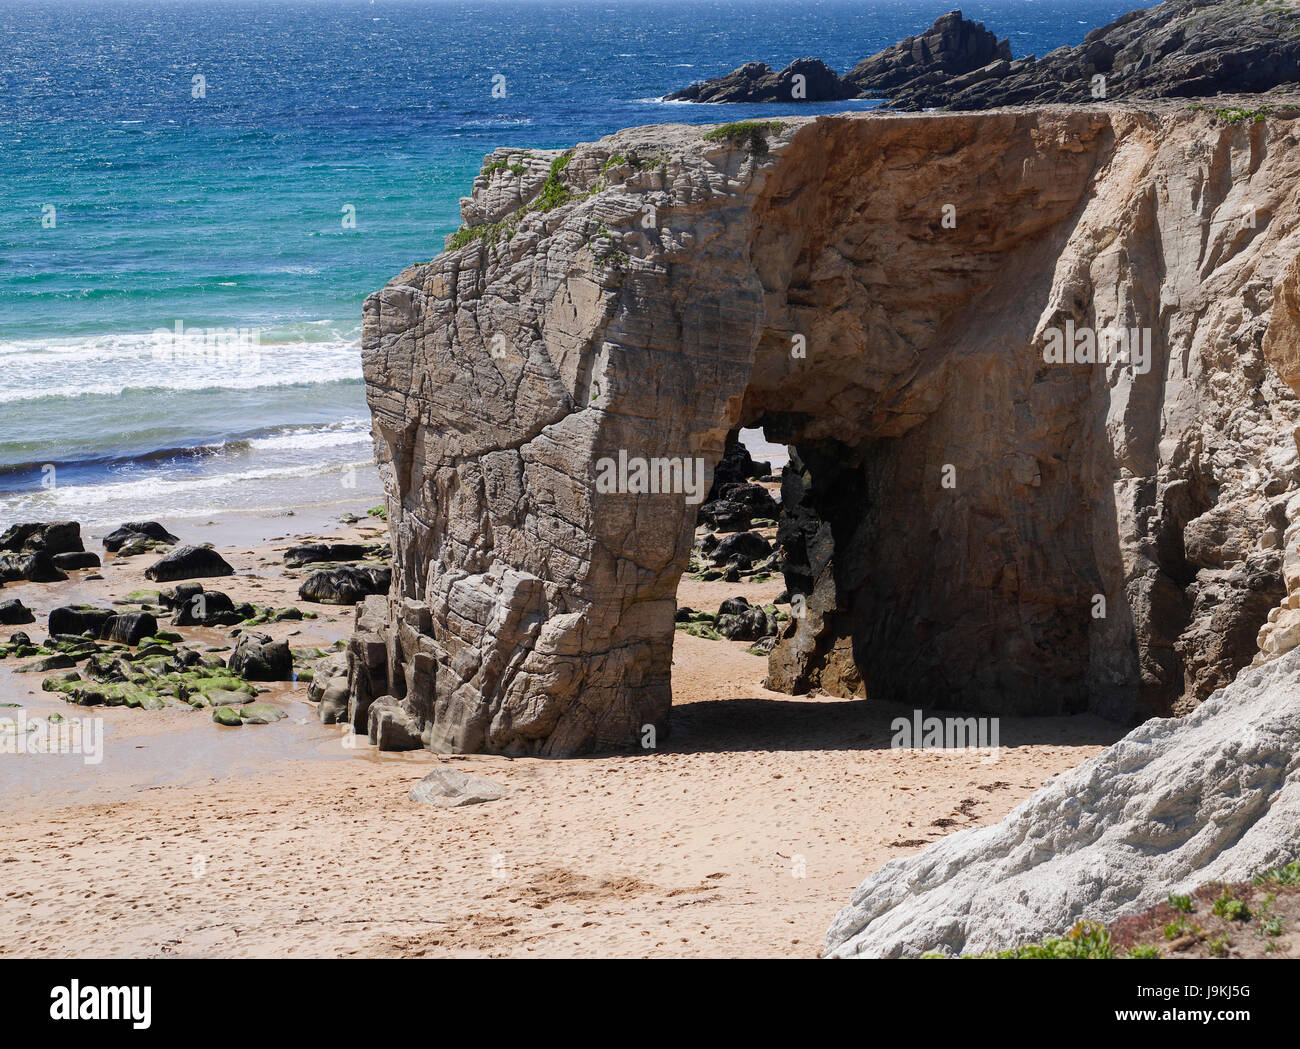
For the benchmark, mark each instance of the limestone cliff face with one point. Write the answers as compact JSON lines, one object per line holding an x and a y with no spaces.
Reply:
{"x":995,"y":531}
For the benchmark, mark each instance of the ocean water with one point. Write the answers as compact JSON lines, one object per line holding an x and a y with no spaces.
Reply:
{"x":183,"y":261}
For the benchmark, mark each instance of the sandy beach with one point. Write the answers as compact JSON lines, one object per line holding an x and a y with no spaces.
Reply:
{"x":740,"y":836}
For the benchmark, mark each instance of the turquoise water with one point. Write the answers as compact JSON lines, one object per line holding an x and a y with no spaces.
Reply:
{"x":131,"y":202}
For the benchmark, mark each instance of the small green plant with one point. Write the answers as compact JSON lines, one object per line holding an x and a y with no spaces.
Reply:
{"x":1238,"y":115}
{"x":752,"y":133}
{"x":1219,"y":946}
{"x":1273,"y":927}
{"x":1288,"y":875}
{"x":1181,"y":903}
{"x":378,"y":511}
{"x":1227,"y":906}
{"x":1144,"y":950}
{"x":554,"y":192}
{"x":1086,"y":940}
{"x":1175,"y":929}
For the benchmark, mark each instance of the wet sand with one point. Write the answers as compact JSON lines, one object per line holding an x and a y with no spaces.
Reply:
{"x":740,"y":836}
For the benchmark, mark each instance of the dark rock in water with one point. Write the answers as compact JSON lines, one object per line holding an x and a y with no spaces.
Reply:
{"x":189,"y":562}
{"x":683,"y":614}
{"x":129,"y":628}
{"x":52,"y":537}
{"x":392,"y":726}
{"x":151,"y":532}
{"x":37,"y":567}
{"x":449,"y":788}
{"x":952,"y":46}
{"x":345,"y":585}
{"x":79,"y":619}
{"x":746,"y":545}
{"x":310,"y":553}
{"x":1177,"y":49}
{"x":259,"y":658}
{"x":803,"y":80}
{"x":76,"y":559}
{"x":15,"y":613}
{"x":20,"y":639}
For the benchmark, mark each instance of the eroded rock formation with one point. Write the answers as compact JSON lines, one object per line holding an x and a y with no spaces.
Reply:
{"x":1178,"y":802}
{"x":982,"y":527}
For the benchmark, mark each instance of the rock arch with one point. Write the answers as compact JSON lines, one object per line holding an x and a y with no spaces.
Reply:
{"x":641,"y":295}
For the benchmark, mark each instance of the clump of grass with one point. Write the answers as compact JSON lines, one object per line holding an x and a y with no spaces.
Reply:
{"x":1238,"y":115}
{"x":1288,"y":875}
{"x":1228,"y":906}
{"x":1181,"y":903}
{"x":553,"y":192}
{"x":751,"y":133}
{"x":1086,"y":940}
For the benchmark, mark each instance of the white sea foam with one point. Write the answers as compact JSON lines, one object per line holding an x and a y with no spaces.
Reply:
{"x":109,"y":365}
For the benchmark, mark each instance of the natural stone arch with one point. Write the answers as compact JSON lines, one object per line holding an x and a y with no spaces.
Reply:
{"x":532,"y":612}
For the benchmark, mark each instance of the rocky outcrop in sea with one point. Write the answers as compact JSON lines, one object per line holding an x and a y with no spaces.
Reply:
{"x":1177,"y":49}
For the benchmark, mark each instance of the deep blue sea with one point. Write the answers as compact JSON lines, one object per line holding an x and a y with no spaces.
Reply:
{"x":324,"y":147}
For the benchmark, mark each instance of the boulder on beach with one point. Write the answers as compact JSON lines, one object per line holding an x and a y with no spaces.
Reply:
{"x":75,"y":560}
{"x":449,"y":788}
{"x":391,"y":726}
{"x":15,"y":613}
{"x":143,"y":533}
{"x":345,"y":585}
{"x":35,"y":567}
{"x":79,"y":619}
{"x":194,"y":606}
{"x":312,"y":553}
{"x":129,"y":628}
{"x":50,"y":537}
{"x":189,"y":562}
{"x":257,"y":657}
{"x":329,"y":688}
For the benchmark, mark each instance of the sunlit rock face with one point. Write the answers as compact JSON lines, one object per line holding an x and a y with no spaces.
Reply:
{"x":983,"y":513}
